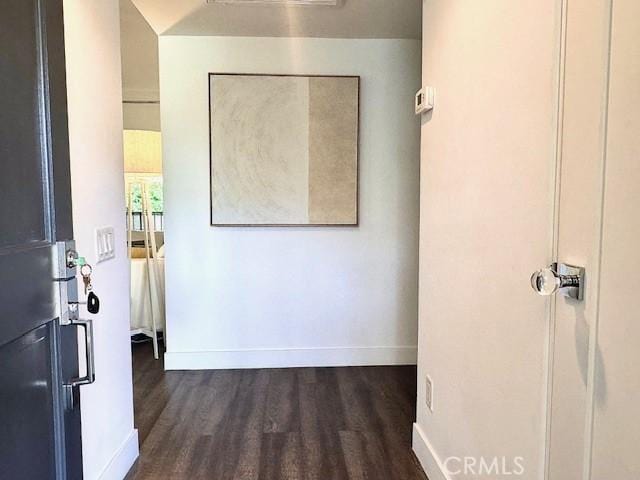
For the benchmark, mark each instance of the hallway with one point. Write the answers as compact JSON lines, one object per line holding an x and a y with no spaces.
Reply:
{"x":311,"y":423}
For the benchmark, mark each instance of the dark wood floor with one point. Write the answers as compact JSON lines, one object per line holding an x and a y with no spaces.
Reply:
{"x":274,"y":424}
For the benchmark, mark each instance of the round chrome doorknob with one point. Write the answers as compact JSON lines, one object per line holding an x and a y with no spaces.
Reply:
{"x":545,"y":281}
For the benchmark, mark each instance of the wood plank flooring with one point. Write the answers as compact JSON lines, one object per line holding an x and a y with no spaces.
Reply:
{"x":351,"y":423}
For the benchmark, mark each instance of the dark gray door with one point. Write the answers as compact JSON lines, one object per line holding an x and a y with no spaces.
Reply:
{"x":39,"y":417}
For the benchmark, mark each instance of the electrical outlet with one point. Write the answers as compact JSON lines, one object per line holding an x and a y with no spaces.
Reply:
{"x":428,"y":398}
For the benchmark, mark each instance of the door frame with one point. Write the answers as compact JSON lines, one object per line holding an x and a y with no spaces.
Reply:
{"x":593,"y":273}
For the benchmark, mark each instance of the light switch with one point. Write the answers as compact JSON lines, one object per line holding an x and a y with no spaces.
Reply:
{"x":105,"y":244}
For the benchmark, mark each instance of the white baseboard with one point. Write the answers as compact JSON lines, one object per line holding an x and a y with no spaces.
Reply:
{"x":290,"y":357}
{"x":121,"y":462}
{"x":427,"y":456}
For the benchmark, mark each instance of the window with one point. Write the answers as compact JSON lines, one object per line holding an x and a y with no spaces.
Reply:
{"x":154,"y":190}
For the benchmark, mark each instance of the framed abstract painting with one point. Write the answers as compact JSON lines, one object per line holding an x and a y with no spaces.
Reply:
{"x":283,"y":149}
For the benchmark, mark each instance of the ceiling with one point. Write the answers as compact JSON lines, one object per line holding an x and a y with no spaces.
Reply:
{"x":139,"y":48}
{"x":351,"y":19}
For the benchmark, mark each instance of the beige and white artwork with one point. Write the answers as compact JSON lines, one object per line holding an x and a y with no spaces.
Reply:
{"x":284,"y":150}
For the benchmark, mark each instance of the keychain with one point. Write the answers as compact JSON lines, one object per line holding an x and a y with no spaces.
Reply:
{"x":93,"y":302}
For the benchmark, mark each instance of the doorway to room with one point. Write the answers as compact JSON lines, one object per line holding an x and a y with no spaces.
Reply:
{"x":145,"y":235}
{"x":143,"y":177}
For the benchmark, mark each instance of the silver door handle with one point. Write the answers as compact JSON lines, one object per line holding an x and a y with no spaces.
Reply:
{"x":556,"y":276}
{"x":90,"y":376}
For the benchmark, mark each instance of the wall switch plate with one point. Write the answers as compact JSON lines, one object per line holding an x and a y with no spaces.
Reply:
{"x":105,"y":244}
{"x":428,"y":398}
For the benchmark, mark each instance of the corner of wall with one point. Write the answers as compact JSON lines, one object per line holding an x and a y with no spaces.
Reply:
{"x":427,"y":456}
{"x":123,"y":459}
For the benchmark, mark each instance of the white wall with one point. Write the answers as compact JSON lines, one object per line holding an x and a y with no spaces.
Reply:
{"x":257,"y":297}
{"x":488,"y":163}
{"x":110,"y":443}
{"x":139,"y":48}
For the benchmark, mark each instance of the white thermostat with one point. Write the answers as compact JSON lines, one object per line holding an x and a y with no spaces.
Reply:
{"x":424,"y":100}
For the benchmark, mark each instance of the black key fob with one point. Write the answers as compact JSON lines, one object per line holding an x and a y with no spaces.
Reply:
{"x":93,"y":303}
